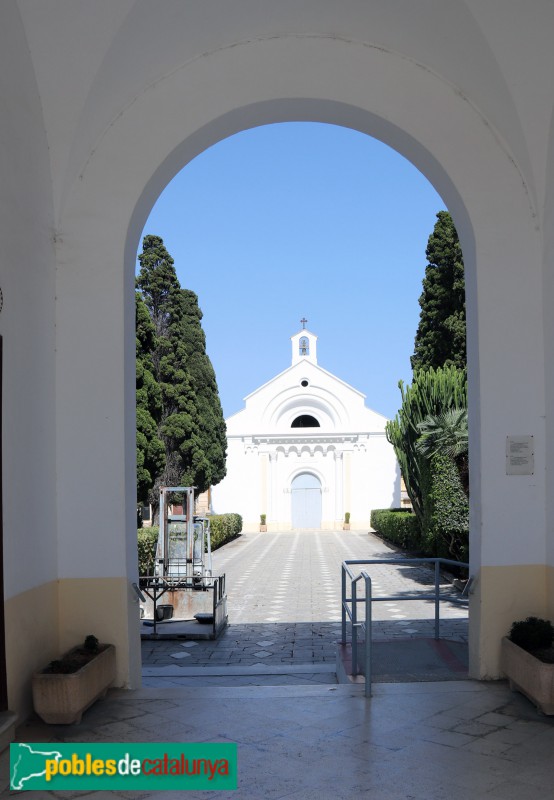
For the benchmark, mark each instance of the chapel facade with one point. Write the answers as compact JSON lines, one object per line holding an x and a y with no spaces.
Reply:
{"x":305,"y":450}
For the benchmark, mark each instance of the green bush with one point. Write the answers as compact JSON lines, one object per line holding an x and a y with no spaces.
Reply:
{"x":224,"y":527}
{"x":397,"y":526}
{"x":147,"y":540}
{"x":446,"y":510}
{"x":532,"y":633}
{"x":432,"y":392}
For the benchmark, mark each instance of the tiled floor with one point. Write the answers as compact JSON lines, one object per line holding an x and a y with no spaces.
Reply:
{"x":417,"y":741}
{"x":292,"y":576}
{"x":284,"y":611}
{"x":308,"y":738}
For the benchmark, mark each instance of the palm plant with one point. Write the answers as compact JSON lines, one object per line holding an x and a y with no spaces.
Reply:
{"x":447,"y":433}
{"x":431,"y":392}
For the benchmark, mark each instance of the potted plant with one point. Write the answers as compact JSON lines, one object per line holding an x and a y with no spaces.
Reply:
{"x":527,"y":659}
{"x":263,"y":526}
{"x":346,"y":523}
{"x":68,"y":686}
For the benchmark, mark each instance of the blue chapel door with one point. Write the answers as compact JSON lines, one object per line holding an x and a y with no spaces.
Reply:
{"x":306,"y":501}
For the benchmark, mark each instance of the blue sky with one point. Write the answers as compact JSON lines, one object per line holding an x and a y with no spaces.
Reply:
{"x":302,"y":220}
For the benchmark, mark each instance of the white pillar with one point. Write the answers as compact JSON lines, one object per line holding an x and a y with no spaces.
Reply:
{"x":271,"y":500}
{"x":338,"y":486}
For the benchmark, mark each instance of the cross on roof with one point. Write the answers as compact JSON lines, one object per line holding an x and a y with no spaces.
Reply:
{"x":303,"y":321}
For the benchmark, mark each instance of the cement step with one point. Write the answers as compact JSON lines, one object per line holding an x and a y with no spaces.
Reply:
{"x":226,"y":675}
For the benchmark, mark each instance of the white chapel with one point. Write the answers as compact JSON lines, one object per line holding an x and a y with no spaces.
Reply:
{"x":305,"y":450}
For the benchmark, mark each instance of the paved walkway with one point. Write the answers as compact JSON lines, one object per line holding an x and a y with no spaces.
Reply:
{"x":410,"y":741}
{"x":284,"y":611}
{"x":416,"y":741}
{"x":295,"y":577}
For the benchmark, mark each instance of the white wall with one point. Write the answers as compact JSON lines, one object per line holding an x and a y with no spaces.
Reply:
{"x":27,"y":321}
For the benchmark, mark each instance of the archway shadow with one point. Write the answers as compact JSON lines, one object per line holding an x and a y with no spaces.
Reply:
{"x":301,"y":652}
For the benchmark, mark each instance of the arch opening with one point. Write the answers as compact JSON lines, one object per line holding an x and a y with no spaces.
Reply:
{"x":305,"y":421}
{"x":443,"y":156}
{"x":306,"y":501}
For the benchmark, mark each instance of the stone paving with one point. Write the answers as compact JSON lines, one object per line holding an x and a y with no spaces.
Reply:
{"x":415,"y":741}
{"x":284,"y":610}
{"x":295,"y":577}
{"x":418,"y":741}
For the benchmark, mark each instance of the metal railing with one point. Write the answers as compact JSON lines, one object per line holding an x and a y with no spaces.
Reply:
{"x":349,"y":605}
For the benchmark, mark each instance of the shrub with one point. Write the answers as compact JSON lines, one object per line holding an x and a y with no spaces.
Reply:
{"x":347,"y":517}
{"x":147,"y":540}
{"x":532,"y":633}
{"x":224,"y":527}
{"x":433,"y":391}
{"x":91,"y":644}
{"x":263,"y":518}
{"x":397,"y":526}
{"x":446,"y":510}
{"x":76,"y":658}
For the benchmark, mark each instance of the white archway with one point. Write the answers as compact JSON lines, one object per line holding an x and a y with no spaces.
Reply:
{"x":285,"y":78}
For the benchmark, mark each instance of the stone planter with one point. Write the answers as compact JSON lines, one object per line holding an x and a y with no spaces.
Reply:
{"x":60,"y":699}
{"x":528,"y":675}
{"x":346,"y":526}
{"x":263,"y":528}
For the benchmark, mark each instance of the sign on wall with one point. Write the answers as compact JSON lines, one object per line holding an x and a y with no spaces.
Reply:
{"x":520,"y":455}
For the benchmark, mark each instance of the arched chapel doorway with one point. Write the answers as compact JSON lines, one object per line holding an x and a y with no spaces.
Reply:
{"x":305,"y":494}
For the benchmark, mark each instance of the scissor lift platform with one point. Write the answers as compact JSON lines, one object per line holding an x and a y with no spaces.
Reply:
{"x":172,"y":610}
{"x":182,"y":599}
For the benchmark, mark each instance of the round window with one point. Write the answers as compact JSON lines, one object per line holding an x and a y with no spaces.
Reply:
{"x":304,"y":383}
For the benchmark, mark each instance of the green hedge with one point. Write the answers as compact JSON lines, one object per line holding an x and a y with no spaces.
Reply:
{"x":224,"y":527}
{"x":147,"y":540}
{"x":397,"y":526}
{"x":446,"y":510}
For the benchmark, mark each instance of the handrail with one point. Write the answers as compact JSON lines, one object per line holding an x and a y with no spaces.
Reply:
{"x":368,"y":599}
{"x":365,"y":626}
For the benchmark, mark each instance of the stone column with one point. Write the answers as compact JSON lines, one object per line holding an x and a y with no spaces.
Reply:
{"x":339,"y":481}
{"x":271,"y":499}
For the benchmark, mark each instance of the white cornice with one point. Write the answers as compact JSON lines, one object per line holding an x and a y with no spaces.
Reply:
{"x":315,"y":438}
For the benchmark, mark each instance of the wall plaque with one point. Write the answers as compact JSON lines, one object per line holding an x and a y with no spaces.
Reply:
{"x":520,"y":455}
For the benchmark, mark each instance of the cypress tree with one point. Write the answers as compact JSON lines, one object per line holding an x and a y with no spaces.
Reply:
{"x":150,"y":448}
{"x":191,"y":424}
{"x":441,"y":335}
{"x":210,"y":464}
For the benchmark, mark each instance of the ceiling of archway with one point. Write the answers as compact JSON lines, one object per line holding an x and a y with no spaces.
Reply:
{"x":94,"y":60}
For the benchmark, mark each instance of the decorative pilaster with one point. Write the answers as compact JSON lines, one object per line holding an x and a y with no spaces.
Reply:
{"x":272,"y":501}
{"x":339,"y":486}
